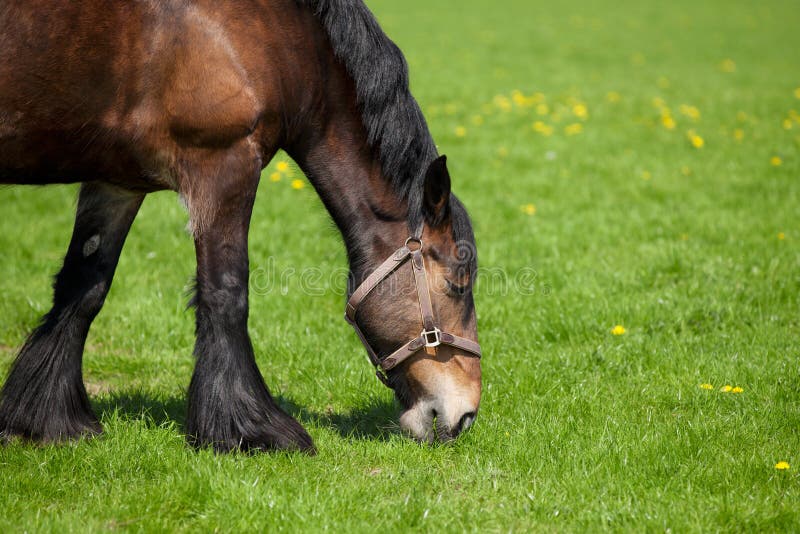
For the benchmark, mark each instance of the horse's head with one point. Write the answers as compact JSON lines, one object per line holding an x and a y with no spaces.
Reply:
{"x":416,"y":316}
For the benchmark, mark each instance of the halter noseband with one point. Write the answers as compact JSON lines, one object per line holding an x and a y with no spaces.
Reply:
{"x":431,"y":335}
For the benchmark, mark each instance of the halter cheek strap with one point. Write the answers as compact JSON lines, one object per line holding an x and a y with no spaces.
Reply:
{"x":431,"y":336}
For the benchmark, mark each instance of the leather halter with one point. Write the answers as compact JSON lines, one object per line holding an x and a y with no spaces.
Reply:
{"x":431,"y":336}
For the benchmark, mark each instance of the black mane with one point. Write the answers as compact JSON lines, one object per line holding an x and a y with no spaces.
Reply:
{"x":394,"y":123}
{"x":392,"y":118}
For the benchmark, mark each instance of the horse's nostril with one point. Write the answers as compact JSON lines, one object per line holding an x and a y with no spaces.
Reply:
{"x":464,"y":423}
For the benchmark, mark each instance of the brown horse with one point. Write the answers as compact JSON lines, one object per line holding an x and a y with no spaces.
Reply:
{"x":196,"y":96}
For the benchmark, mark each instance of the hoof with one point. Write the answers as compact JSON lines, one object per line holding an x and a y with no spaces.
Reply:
{"x":46,"y":415}
{"x":256,"y":442}
{"x":266,"y":429}
{"x":44,"y":399}
{"x":49,"y":431}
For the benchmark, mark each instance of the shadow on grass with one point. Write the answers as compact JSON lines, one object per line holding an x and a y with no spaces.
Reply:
{"x":157,"y":409}
{"x":373,"y":421}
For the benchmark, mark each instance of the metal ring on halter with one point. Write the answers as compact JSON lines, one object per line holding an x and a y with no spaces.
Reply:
{"x":413,"y":239}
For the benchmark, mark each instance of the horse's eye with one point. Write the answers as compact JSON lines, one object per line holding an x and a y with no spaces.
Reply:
{"x":456,"y":289}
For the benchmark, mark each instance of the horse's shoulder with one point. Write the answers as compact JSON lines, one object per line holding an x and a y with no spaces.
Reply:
{"x":208,"y":96}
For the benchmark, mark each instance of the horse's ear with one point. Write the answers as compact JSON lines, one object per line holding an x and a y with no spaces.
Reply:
{"x":437,"y":192}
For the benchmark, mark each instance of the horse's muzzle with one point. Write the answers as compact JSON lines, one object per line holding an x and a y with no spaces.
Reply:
{"x":444,"y":420}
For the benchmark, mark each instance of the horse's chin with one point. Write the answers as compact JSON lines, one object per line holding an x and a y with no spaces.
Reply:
{"x":417,"y":422}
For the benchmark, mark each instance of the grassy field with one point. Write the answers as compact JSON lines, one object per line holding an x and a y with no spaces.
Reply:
{"x":626,"y":164}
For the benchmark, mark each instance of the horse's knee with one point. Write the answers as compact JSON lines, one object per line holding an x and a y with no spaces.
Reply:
{"x":92,"y":300}
{"x":227,"y":305}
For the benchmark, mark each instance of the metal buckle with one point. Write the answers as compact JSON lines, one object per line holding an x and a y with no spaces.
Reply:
{"x":433,"y":338}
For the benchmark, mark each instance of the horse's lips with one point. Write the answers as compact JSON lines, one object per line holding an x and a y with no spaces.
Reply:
{"x":430,"y":420}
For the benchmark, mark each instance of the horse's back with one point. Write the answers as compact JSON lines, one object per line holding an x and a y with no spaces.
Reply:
{"x":115,"y":88}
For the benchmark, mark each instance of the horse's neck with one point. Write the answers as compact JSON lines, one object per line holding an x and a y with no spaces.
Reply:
{"x":347,"y":175}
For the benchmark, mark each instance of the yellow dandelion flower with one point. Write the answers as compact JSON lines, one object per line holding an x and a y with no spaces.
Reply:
{"x":787,"y":124}
{"x":502,"y":152}
{"x":797,"y":93}
{"x":706,"y":386}
{"x":282,"y":166}
{"x":542,"y":109}
{"x":775,"y":161}
{"x":727,"y":65}
{"x":618,"y":330}
{"x":668,"y":122}
{"x":646,"y":175}
{"x":529,"y":209}
{"x":573,"y":129}
{"x":696,"y":141}
{"x":477,"y":120}
{"x":275,"y":177}
{"x":782,"y":466}
{"x":298,"y":184}
{"x":690,"y":111}
{"x":542,"y":128}
{"x":613,"y":97}
{"x":502,"y":102}
{"x":580,"y":111}
{"x":737,"y":389}
{"x":726,"y":388}
{"x":521,"y":100}
{"x":460,"y":131}
{"x":738,"y":134}
{"x":781,"y":236}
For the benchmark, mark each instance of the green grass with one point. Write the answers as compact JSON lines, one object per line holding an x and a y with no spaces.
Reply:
{"x":579,"y":430}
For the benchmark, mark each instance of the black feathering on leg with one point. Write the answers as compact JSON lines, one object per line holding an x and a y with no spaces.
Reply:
{"x":44,"y":398}
{"x":230,"y":407}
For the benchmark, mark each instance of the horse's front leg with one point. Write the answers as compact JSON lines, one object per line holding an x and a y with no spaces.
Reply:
{"x":230,"y":407}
